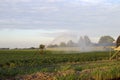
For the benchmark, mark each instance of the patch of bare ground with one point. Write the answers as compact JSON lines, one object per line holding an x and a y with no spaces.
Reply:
{"x":115,"y":79}
{"x":37,"y":76}
{"x":44,"y":75}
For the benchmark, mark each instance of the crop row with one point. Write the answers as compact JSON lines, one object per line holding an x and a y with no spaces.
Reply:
{"x":27,"y":61}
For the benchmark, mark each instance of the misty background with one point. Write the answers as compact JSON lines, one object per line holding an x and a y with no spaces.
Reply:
{"x":27,"y":23}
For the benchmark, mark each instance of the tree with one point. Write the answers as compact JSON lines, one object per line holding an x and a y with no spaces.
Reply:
{"x":118,"y":42}
{"x":32,"y":48}
{"x":41,"y":47}
{"x":81,"y":40}
{"x":87,"y":40}
{"x":70,"y":43}
{"x":106,"y":40}
{"x":84,"y":41}
{"x":52,"y":45}
{"x":62,"y":44}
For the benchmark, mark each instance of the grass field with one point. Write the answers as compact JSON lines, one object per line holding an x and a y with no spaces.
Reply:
{"x":58,"y":65}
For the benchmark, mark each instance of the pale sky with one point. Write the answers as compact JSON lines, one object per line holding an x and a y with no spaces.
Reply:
{"x":27,"y":23}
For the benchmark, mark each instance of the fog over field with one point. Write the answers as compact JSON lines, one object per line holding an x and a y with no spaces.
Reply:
{"x":28,"y":23}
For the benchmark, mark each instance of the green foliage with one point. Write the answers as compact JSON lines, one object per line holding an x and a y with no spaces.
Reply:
{"x":67,"y":77}
{"x":78,"y":68}
{"x":65,"y":67}
{"x":17,"y":62}
{"x":42,"y":46}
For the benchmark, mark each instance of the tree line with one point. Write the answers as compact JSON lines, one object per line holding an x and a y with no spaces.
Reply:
{"x":85,"y":41}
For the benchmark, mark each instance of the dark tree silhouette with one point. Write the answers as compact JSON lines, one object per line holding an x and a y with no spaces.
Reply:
{"x":70,"y":43}
{"x":106,"y":41}
{"x":118,"y":42}
{"x":42,"y":47}
{"x":62,"y":44}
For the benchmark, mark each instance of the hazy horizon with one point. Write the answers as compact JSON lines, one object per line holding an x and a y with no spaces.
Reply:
{"x":28,"y":23}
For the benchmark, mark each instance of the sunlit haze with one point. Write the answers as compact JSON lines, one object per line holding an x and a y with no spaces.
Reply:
{"x":28,"y":23}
